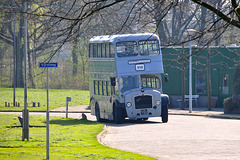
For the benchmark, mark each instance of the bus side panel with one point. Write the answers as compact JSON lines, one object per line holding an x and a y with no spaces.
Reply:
{"x":100,"y":71}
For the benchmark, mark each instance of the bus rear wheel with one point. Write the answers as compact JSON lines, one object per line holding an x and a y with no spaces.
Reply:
{"x":97,"y":113}
{"x":164,"y":114}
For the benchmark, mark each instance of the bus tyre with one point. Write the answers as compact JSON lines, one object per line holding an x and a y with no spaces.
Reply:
{"x":97,"y":113}
{"x":164,"y":114}
{"x":117,"y":113}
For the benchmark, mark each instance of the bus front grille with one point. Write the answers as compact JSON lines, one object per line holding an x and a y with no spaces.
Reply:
{"x":143,"y":102}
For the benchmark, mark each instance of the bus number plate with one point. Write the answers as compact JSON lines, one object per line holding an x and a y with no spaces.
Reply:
{"x":140,"y":67}
{"x":143,"y":112}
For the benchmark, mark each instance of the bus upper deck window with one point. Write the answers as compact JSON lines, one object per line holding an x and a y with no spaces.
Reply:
{"x":104,"y":50}
{"x":126,"y":49}
{"x":107,"y":50}
{"x":90,"y":50}
{"x":112,"y":52}
{"x":99,"y":50}
{"x":149,"y":47}
{"x":95,"y":50}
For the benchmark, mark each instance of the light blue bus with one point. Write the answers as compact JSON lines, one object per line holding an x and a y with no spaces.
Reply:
{"x":125,"y":77}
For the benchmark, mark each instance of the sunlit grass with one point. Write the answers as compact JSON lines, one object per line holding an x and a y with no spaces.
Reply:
{"x":69,"y":139}
{"x":57,"y":98}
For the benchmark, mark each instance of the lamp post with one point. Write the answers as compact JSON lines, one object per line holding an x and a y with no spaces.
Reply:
{"x":190,"y":32}
{"x":25,"y":129}
{"x":14,"y":56}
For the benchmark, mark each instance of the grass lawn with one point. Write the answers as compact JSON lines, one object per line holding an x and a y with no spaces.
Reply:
{"x":57,"y":98}
{"x":69,"y":139}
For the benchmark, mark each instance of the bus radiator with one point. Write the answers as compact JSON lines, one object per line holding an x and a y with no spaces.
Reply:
{"x":143,"y":102}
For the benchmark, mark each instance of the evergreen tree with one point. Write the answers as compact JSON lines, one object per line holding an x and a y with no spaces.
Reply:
{"x":236,"y":80}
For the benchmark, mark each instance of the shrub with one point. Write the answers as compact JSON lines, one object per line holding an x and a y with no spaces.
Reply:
{"x":228,"y":105}
{"x":232,"y":104}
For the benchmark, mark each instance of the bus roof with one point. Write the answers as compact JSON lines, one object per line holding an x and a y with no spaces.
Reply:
{"x":123,"y":37}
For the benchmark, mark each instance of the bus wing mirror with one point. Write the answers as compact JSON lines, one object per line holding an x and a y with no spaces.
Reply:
{"x":166,"y":77}
{"x":113,"y":81}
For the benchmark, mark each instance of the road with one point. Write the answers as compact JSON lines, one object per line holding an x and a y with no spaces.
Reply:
{"x":182,"y":138}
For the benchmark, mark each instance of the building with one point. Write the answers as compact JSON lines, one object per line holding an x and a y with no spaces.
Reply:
{"x":221,"y":66}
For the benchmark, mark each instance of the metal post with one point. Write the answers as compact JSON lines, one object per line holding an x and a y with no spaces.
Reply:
{"x":25,"y":111}
{"x":67,"y":107}
{"x":190,"y":77}
{"x":47,"y":117}
{"x":14,"y":56}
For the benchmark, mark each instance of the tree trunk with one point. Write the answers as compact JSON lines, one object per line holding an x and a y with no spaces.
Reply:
{"x":30,"y":76}
{"x":75,"y":58}
{"x":209,"y":88}
{"x":183,"y":90}
{"x":19,"y":58}
{"x":83,"y":68}
{"x":183,"y":70}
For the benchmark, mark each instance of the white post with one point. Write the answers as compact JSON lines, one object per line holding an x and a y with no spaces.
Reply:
{"x":190,"y":77}
{"x":191,"y":32}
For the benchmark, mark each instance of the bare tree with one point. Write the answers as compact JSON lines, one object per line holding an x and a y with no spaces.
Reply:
{"x":58,"y":23}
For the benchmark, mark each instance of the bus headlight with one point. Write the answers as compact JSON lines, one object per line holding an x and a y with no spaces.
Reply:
{"x":129,"y":104}
{"x":157,"y":102}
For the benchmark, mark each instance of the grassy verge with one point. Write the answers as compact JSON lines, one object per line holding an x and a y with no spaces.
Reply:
{"x":57,"y":98}
{"x":69,"y":139}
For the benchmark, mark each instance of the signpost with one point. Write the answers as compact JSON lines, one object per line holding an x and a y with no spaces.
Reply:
{"x":48,"y":65}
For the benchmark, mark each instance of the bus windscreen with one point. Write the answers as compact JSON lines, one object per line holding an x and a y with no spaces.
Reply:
{"x":128,"y":83}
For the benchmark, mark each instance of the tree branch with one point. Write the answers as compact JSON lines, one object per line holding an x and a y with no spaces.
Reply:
{"x":218,"y":12}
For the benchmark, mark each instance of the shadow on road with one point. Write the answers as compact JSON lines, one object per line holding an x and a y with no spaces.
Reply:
{"x":128,"y":122}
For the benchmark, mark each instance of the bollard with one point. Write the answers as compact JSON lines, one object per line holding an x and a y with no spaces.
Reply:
{"x":20,"y":118}
{"x":68,"y":99}
{"x":34,"y":104}
{"x":8,"y":104}
{"x":5,"y":104}
{"x":38,"y":104}
{"x":18,"y":104}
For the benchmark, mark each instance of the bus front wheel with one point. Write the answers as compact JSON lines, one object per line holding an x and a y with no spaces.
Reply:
{"x":117,"y":114}
{"x":97,"y":113}
{"x":164,"y":114}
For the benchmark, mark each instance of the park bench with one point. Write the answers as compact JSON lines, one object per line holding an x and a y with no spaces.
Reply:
{"x":194,"y":98}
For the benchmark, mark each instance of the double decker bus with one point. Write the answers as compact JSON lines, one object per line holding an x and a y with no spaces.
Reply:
{"x":125,"y":77}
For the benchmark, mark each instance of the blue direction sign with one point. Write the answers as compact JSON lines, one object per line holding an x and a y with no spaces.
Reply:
{"x":48,"y":65}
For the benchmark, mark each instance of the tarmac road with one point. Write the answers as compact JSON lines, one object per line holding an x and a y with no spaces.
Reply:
{"x":182,"y":138}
